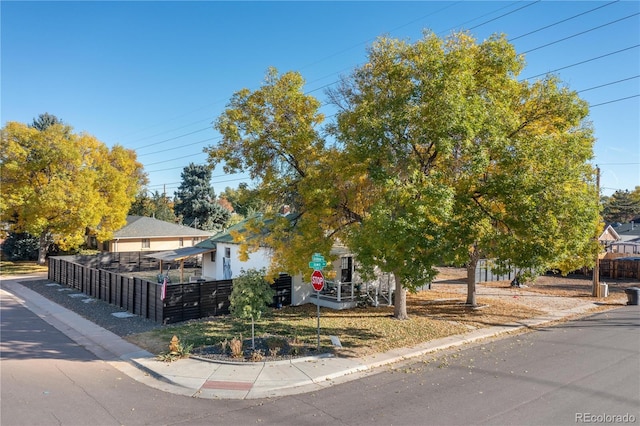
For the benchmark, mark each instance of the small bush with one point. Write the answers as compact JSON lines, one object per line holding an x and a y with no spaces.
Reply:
{"x":176,"y":351}
{"x":274,"y":351}
{"x":236,"y":347}
{"x":257,"y":355}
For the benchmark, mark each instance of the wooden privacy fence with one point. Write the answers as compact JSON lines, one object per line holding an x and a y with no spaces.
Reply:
{"x":182,"y":301}
{"x":619,"y":269}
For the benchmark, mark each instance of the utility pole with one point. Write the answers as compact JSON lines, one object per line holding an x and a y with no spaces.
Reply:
{"x":596,"y":291}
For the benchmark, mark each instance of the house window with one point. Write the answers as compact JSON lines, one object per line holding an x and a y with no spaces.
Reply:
{"x":195,"y":241}
{"x":181,"y":242}
{"x":146,"y":243}
{"x":227,"y":252}
{"x":213,"y":256}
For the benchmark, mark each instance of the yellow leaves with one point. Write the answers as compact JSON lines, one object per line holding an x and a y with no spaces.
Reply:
{"x":65,"y":182}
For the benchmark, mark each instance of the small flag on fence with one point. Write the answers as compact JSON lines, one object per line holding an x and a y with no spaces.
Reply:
{"x":163,"y":290}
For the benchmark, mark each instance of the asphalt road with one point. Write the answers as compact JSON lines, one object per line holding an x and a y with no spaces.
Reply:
{"x":572,"y":373}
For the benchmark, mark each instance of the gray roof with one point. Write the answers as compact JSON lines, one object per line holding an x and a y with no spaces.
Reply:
{"x":627,"y":229}
{"x":226,"y":236}
{"x":148,"y":227}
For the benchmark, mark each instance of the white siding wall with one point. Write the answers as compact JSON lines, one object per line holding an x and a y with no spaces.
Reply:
{"x":259,"y":259}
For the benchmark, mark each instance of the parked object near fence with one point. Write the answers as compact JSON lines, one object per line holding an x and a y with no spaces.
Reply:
{"x":633,"y":295}
{"x":182,"y":302}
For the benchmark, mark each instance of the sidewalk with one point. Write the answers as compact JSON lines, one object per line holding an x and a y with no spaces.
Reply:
{"x":215,"y":380}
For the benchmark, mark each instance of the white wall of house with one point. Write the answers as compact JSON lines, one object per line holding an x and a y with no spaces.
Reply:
{"x":213,"y":264}
{"x":301,"y":291}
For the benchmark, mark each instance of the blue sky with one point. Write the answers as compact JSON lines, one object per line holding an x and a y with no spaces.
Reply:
{"x":153,"y":76}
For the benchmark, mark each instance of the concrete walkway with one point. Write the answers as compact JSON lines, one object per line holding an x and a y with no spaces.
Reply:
{"x":216,"y":380}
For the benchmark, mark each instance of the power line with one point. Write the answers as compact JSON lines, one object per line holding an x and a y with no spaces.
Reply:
{"x":521,"y":36}
{"x":615,"y":100}
{"x":476,"y":26}
{"x":607,"y":84}
{"x":175,"y":137}
{"x":580,"y":33}
{"x":562,"y":21}
{"x":506,"y":14}
{"x":173,"y":159}
{"x":618,"y":164}
{"x":180,"y":147}
{"x":583,"y":62}
{"x":327,"y":57}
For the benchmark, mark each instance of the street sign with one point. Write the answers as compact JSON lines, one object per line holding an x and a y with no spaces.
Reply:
{"x":317,"y":280}
{"x":317,"y":262}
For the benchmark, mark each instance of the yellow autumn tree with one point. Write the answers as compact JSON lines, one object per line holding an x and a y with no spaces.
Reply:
{"x":59,"y":185}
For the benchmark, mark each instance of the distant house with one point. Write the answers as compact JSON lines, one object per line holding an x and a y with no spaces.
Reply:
{"x":148,"y":234}
{"x":628,"y":231}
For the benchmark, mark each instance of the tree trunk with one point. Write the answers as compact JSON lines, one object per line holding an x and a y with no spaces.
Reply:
{"x":43,"y":246}
{"x":471,"y":278}
{"x":399,"y":300}
{"x":253,"y":334}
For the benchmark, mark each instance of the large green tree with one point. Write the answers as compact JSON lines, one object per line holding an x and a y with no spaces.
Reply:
{"x":58,"y":184}
{"x":439,"y":153}
{"x":272,"y":133}
{"x":473,"y":162}
{"x":195,"y":200}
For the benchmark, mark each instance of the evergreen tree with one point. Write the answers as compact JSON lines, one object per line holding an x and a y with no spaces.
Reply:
{"x":195,"y":200}
{"x":620,"y":207}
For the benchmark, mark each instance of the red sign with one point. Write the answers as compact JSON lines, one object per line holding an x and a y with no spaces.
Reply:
{"x":317,"y":280}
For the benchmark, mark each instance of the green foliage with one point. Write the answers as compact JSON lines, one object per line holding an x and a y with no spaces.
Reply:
{"x":179,"y":352}
{"x":243,"y":200}
{"x":44,"y":121}
{"x":271,"y":132}
{"x":250,"y":294}
{"x":196,"y":203}
{"x":61,"y":185}
{"x":440,"y":154}
{"x":20,"y":246}
{"x":621,"y":206}
{"x":249,"y":298}
{"x":469,"y":160}
{"x":158,"y":206}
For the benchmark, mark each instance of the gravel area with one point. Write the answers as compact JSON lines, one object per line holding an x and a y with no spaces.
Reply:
{"x":95,"y":310}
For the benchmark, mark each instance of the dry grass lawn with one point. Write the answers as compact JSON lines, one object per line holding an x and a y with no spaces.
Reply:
{"x":434,"y":314}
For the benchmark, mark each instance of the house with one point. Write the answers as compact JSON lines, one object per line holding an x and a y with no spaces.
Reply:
{"x":148,"y":234}
{"x":342,"y":287}
{"x":628,"y":231}
{"x":223,"y":261}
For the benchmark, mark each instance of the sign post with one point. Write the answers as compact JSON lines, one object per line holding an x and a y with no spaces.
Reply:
{"x":317,"y":281}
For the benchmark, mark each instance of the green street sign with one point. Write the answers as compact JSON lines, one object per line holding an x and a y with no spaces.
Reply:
{"x":317,"y":262}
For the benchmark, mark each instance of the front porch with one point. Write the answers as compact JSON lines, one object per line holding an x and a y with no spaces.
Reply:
{"x":346,"y":295}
